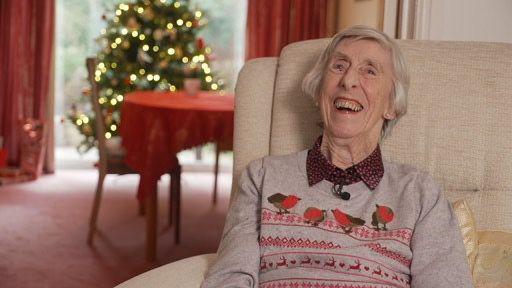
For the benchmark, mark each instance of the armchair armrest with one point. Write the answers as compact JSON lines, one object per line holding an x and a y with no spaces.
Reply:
{"x":185,"y":273}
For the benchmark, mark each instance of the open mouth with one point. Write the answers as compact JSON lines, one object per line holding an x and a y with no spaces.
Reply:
{"x":347,"y":105}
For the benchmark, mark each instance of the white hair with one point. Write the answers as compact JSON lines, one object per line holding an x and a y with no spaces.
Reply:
{"x":312,"y":83}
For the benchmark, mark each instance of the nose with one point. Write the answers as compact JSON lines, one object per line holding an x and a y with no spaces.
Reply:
{"x":350,"y":79}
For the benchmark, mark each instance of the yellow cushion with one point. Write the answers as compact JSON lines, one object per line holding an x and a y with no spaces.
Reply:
{"x":468,"y":229}
{"x":493,"y":263}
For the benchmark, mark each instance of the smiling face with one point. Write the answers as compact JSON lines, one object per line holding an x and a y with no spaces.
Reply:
{"x":356,"y":93}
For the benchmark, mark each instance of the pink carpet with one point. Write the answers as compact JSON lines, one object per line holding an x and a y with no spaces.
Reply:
{"x":43,"y":228}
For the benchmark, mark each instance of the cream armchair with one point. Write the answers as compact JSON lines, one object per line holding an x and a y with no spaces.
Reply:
{"x":458,"y":128}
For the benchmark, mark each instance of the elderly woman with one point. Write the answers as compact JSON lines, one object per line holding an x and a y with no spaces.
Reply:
{"x":337,"y":215}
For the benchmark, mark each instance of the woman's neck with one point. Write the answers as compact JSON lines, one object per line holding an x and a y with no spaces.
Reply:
{"x":344,"y":153}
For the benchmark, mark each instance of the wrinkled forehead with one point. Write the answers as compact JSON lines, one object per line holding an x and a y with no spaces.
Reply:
{"x":363,"y":46}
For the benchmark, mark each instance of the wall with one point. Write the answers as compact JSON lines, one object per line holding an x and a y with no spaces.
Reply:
{"x":468,"y":20}
{"x":345,"y":13}
{"x":366,"y":12}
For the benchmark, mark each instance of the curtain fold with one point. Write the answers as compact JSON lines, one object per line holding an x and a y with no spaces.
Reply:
{"x":26,"y":47}
{"x":271,"y":25}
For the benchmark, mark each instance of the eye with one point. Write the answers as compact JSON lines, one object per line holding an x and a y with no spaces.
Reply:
{"x":339,"y":66}
{"x":370,"y":71}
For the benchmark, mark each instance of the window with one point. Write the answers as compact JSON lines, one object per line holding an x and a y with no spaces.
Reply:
{"x":79,"y":23}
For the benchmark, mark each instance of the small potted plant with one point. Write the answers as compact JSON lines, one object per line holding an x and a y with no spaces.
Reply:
{"x":192,"y":80}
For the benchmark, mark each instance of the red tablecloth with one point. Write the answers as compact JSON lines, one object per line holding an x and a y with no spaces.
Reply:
{"x":155,"y":126}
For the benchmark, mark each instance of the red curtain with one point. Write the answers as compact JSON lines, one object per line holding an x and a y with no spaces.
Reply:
{"x":272,"y":24}
{"x":26,"y":46}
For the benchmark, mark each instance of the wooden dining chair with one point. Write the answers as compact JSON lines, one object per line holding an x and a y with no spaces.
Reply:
{"x":111,"y":161}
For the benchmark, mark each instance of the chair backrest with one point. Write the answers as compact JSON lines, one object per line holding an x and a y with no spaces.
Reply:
{"x":98,"y":113}
{"x":458,"y":126}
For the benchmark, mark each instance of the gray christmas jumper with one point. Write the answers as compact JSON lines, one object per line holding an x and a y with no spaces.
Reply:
{"x":397,"y":231}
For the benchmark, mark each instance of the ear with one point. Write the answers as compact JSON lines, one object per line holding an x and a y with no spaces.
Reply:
{"x":318,"y":97}
{"x":390,"y":112}
{"x":390,"y":115}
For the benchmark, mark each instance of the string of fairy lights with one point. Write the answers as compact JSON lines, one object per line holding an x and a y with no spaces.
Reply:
{"x":147,"y":45}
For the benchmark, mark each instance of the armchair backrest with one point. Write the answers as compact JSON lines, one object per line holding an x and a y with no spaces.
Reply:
{"x":458,"y":126}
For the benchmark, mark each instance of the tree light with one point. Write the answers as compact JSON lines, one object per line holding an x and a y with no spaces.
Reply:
{"x":102,"y":67}
{"x":119,"y":71}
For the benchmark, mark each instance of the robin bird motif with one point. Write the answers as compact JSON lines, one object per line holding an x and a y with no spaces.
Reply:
{"x":382,"y":216}
{"x":346,"y":221}
{"x":314,"y":215}
{"x":283,"y":202}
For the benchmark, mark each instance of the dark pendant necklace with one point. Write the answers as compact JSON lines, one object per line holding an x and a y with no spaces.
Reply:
{"x":337,"y":190}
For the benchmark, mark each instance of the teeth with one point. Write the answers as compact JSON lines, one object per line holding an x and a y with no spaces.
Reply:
{"x":348,"y":105}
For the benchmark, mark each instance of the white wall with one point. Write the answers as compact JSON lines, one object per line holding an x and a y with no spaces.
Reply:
{"x":360,"y":12}
{"x":467,"y":20}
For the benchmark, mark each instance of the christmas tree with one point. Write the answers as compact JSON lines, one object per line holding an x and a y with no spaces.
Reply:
{"x":147,"y":45}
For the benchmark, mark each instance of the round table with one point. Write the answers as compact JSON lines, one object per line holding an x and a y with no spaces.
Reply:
{"x":155,"y":126}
